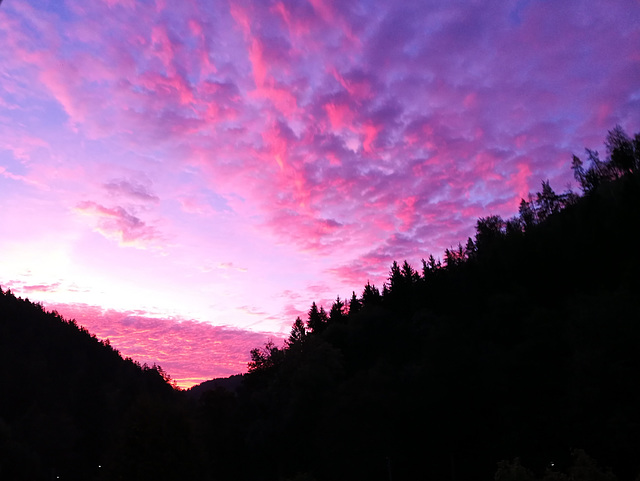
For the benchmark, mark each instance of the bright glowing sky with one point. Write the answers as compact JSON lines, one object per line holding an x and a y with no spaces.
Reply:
{"x":184,"y":177}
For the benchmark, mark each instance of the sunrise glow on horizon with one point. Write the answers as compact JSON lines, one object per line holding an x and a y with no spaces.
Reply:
{"x":186,"y":178}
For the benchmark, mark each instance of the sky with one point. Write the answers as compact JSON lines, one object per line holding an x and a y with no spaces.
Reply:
{"x":186,"y":178}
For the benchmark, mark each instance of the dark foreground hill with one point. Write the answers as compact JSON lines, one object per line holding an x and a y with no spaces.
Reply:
{"x":516,"y":358}
{"x":230,"y":384}
{"x":72,"y":408}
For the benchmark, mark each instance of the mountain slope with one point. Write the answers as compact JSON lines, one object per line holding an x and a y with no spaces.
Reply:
{"x":526,"y":348}
{"x":70,"y":403}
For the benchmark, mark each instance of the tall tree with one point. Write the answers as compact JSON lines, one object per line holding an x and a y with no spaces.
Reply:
{"x":336,"y":314}
{"x":298,"y":333}
{"x":450,"y":259}
{"x":370,"y":295}
{"x":429,"y":267}
{"x":470,"y":249}
{"x":577,"y":167}
{"x":621,"y":152}
{"x":527,"y":215}
{"x":597,"y":171}
{"x":548,"y":201}
{"x":409,"y":274}
{"x":354,"y":304}
{"x":317,"y":320}
{"x":396,"y":279}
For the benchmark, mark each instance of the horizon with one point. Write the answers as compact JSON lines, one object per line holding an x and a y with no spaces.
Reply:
{"x":186,"y":181}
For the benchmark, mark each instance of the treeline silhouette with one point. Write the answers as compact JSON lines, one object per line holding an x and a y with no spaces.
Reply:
{"x":521,"y":343}
{"x":515,"y":357}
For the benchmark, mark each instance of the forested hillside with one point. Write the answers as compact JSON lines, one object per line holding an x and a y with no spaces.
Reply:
{"x":521,"y":343}
{"x":72,"y":408}
{"x":515,"y":357}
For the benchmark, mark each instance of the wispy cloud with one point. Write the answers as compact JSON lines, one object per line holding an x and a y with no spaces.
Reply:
{"x":36,"y":288}
{"x":118,"y":224}
{"x":131,"y":190}
{"x":230,"y":265}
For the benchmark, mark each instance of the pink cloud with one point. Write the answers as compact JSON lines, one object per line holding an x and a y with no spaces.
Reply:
{"x":281,"y":98}
{"x":333,"y":15}
{"x":356,"y":82}
{"x":125,"y":3}
{"x":370,"y":133}
{"x":521,"y":180}
{"x":28,"y":288}
{"x":324,"y":9}
{"x":296,"y":16}
{"x":21,"y":178}
{"x":191,"y":352}
{"x":267,"y":54}
{"x":241,"y":17}
{"x":162,"y":47}
{"x":407,"y":211}
{"x":194,"y":205}
{"x":340,"y":116}
{"x":119,"y":224}
{"x":170,"y":88}
{"x":260,"y":68}
{"x":230,"y":265}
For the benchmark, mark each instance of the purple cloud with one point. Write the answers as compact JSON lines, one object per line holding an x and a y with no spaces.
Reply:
{"x":131,"y":190}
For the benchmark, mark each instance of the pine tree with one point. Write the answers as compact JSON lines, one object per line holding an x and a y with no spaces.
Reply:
{"x":434,"y":264}
{"x":336,"y":314}
{"x":317,"y":319}
{"x":370,"y":295}
{"x":470,"y":249}
{"x":449,"y":258}
{"x":298,"y":333}
{"x":354,"y":304}
{"x":395,"y":277}
{"x":409,"y":274}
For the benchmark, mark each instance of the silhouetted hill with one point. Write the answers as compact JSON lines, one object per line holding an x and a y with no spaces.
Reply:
{"x":70,"y":403}
{"x":231,"y":384}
